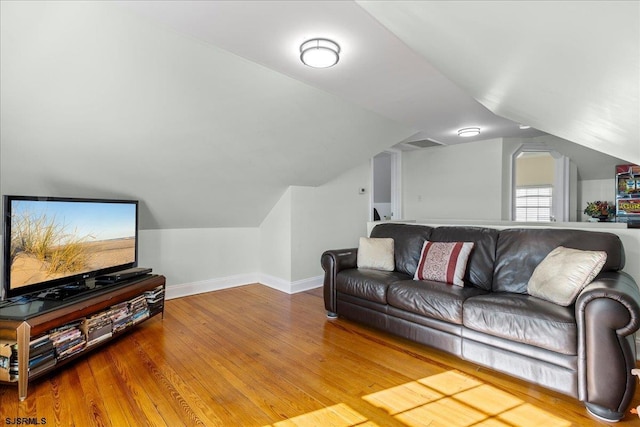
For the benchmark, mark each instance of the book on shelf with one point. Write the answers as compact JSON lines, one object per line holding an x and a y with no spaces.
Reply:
{"x":78,"y":347}
{"x":155,"y":299}
{"x":43,"y":367}
{"x":68,"y":339}
{"x":155,"y":294}
{"x":99,"y":339}
{"x":35,"y":362}
{"x":40,"y":345}
{"x":97,"y":327}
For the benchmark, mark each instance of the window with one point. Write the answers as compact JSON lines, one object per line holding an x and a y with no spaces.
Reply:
{"x":533,"y":203}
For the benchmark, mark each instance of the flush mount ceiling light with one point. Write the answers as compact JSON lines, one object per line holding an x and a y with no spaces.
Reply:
{"x":467,"y":132}
{"x":319,"y":53}
{"x":523,"y":127}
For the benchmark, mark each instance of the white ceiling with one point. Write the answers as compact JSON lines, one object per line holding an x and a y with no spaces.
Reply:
{"x":203,"y":111}
{"x":569,"y":68}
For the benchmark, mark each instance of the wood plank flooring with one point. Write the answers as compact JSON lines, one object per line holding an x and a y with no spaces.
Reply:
{"x":253,"y":356}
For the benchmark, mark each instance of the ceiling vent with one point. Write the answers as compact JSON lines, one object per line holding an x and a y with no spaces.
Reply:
{"x":424,"y":143}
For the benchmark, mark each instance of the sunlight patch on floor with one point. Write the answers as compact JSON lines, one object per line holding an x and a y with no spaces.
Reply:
{"x":340,"y":415}
{"x":448,"y":399}
{"x":453,"y":399}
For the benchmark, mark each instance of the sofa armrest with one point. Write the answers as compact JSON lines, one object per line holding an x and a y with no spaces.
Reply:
{"x":607,"y":315}
{"x":333,"y":261}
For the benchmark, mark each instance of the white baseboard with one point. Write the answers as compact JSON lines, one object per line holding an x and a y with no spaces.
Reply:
{"x":291,"y":287}
{"x":186,"y":289}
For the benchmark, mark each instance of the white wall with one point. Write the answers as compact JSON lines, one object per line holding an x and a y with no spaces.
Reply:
{"x":200,"y":260}
{"x":593,"y":190}
{"x":307,"y":221}
{"x":275,"y":240}
{"x":97,"y":101}
{"x":284,"y":252}
{"x":454,"y":182}
{"x":331,"y":216}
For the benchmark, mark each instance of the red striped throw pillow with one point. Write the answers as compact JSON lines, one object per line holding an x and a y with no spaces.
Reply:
{"x":443,"y":262}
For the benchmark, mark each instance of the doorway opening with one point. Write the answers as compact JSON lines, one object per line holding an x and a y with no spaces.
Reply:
{"x":385,"y":200}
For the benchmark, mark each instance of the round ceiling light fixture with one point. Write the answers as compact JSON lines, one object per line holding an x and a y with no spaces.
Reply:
{"x":523,"y":127}
{"x":319,"y":53}
{"x":467,"y":132}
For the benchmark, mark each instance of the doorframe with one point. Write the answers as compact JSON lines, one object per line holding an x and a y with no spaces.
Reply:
{"x":396,"y":184}
{"x":561,"y":181}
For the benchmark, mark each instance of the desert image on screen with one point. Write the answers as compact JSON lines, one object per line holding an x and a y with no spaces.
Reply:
{"x":52,"y":239}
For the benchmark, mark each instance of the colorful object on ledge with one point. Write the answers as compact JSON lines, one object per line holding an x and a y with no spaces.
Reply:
{"x":601,"y":210}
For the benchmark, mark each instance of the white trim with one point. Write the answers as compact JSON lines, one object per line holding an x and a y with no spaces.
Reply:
{"x":194,"y":288}
{"x":291,"y":287}
{"x":186,"y":289}
{"x":395,"y":157}
{"x":561,"y":187}
{"x":560,"y":205}
{"x":396,"y":183}
{"x":307,"y":284}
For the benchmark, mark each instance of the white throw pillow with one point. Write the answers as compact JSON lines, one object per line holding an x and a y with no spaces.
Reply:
{"x":563,"y":273}
{"x":376,"y":253}
{"x":443,"y":262}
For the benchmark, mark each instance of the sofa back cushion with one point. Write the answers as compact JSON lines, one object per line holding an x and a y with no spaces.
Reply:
{"x":479,"y":271}
{"x":519,"y":252}
{"x":408,"y":240}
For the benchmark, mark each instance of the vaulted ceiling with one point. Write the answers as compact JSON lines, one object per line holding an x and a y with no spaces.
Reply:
{"x":203,"y":110}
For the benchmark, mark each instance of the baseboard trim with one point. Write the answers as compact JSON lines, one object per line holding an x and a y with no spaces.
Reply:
{"x":291,"y":287}
{"x":186,"y":289}
{"x":194,"y":288}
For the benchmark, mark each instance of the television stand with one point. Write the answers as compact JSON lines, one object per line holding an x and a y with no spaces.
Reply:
{"x":27,"y":325}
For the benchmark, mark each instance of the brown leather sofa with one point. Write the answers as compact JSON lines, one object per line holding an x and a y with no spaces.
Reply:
{"x":585,"y":350}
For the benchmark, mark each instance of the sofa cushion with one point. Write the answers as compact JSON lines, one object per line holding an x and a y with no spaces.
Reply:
{"x":524,"y":319}
{"x":519,"y":251}
{"x":480,"y":265}
{"x":443,"y":262}
{"x":408,"y":240}
{"x":564,"y":273}
{"x":376,"y":253}
{"x":435,"y":300}
{"x":367,"y":284}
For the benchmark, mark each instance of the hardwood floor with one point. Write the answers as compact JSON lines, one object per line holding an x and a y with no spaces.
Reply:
{"x":253,"y":356}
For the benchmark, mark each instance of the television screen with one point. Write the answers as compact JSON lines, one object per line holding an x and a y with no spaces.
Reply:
{"x":57,"y":241}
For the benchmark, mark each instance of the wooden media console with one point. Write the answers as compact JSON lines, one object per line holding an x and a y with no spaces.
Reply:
{"x":56,"y":332}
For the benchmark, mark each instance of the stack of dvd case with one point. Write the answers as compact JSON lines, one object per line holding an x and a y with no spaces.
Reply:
{"x":68,"y":340}
{"x":97,"y":328}
{"x":41,"y":354}
{"x":120,"y":316}
{"x":155,"y":300}
{"x":13,"y":362}
{"x":138,"y":309}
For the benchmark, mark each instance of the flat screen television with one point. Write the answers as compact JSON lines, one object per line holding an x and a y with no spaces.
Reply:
{"x":53,"y":241}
